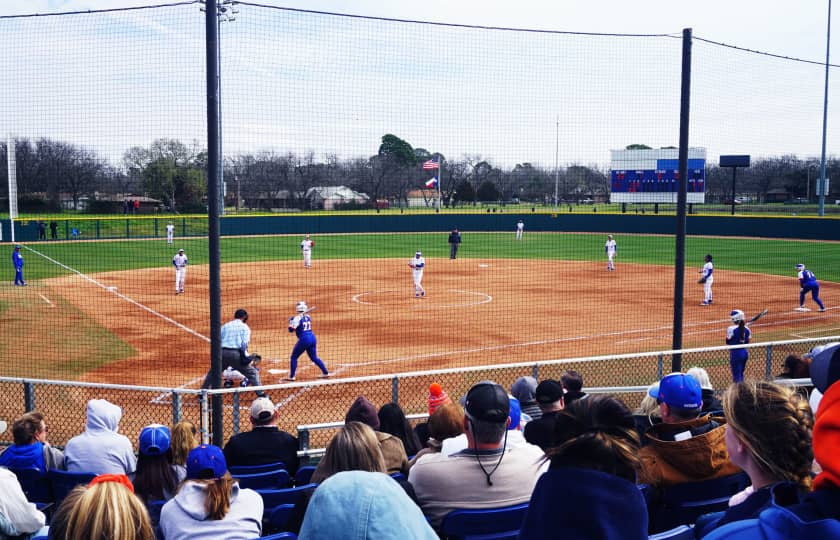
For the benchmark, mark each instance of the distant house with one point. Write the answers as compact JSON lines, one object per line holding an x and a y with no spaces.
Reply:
{"x":267,"y":200}
{"x":328,"y":197}
{"x":111,"y":203}
{"x":776,"y":195}
{"x":422,"y":198}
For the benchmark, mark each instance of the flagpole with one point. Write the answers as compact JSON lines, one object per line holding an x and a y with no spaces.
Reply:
{"x":440,"y":178}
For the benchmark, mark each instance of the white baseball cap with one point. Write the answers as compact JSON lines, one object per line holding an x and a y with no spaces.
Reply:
{"x":262,"y":409}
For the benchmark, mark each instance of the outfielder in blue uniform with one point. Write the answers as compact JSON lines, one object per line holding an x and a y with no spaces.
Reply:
{"x":808,"y":283}
{"x":301,"y":325}
{"x":17,"y":260}
{"x":738,"y":334}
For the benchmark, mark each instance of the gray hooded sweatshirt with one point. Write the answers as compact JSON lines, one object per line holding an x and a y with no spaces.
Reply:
{"x":185,"y":516}
{"x":100,"y":449}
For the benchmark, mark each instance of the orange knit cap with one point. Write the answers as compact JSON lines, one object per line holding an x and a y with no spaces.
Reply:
{"x":117,"y":478}
{"x":437,"y":397}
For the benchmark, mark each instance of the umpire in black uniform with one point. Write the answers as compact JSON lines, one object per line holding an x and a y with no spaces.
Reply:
{"x":454,"y":242}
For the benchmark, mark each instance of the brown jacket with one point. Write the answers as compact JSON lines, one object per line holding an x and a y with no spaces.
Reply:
{"x":702,"y":457}
{"x":392,"y":450}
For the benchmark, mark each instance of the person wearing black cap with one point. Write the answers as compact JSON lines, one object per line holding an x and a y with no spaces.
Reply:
{"x":488,"y":473}
{"x":550,"y":399}
{"x":265,"y":443}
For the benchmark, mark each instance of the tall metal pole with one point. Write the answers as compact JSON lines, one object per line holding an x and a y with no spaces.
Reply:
{"x":11,"y":167}
{"x":822,"y":190}
{"x":679,"y":258}
{"x":556,"y":161}
{"x":211,"y":28}
{"x":219,"y":84}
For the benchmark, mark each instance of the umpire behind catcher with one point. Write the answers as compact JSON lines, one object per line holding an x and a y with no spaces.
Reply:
{"x":235,"y":338}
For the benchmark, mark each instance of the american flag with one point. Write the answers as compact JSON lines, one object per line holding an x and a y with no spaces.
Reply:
{"x":431,"y":164}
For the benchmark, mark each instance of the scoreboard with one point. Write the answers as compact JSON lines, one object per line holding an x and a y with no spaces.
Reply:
{"x":652,"y":176}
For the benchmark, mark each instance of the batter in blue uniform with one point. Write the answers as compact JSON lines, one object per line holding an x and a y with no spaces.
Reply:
{"x":17,"y":260}
{"x":738,"y":334}
{"x":301,"y":325}
{"x":808,"y":283}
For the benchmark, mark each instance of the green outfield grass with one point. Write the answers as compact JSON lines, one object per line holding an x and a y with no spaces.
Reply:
{"x":765,"y":256}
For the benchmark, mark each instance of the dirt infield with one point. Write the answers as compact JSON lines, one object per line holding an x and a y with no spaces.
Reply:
{"x":369,"y":322}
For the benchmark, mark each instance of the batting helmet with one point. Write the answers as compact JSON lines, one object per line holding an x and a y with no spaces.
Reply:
{"x":800,"y":266}
{"x":736,"y":315}
{"x":418,"y":254}
{"x":708,"y":258}
{"x":301,"y":306}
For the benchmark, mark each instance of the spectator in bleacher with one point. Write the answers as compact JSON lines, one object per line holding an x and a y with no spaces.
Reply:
{"x":768,"y":435}
{"x":396,"y":460}
{"x":816,"y":395}
{"x":710,"y":402}
{"x":572,"y":382}
{"x":30,"y":448}
{"x":515,"y":436}
{"x":210,"y":504}
{"x":361,"y":505}
{"x":17,"y":515}
{"x":488,"y":473}
{"x":392,"y":420}
{"x":525,"y":390}
{"x":437,"y":398}
{"x":647,"y":413}
{"x":183,"y":440}
{"x":157,"y":478}
{"x":100,"y":449}
{"x":590,"y":488}
{"x":446,"y":422}
{"x":684,"y":447}
{"x":265,"y":443}
{"x":797,"y":367}
{"x":550,"y":399}
{"x":818,"y":514}
{"x":354,"y":448}
{"x":58,"y":522}
{"x":107,"y":508}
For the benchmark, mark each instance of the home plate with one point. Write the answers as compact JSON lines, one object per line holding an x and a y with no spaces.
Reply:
{"x":277,"y":371}
{"x":483,"y":265}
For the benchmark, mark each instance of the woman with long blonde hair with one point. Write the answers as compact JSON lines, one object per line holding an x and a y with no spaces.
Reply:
{"x":107,"y":508}
{"x":183,"y":440}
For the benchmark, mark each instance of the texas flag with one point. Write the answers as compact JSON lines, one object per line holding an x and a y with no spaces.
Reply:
{"x":432,"y":183}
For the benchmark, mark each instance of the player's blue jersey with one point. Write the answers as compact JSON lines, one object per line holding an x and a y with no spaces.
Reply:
{"x":807,"y":278}
{"x":304,"y":327}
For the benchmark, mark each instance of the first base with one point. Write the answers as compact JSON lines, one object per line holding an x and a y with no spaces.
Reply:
{"x":111,"y":289}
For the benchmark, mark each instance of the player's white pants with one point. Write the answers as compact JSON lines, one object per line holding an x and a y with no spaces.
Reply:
{"x":418,"y":288}
{"x":170,"y":237}
{"x":707,"y":289}
{"x":180,"y":278}
{"x":610,"y":264}
{"x":519,"y":234}
{"x":307,"y":258}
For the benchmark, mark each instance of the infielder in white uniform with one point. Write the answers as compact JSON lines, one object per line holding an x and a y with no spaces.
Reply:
{"x":170,"y":233}
{"x":306,"y":247}
{"x":707,"y":279}
{"x":520,"y":228}
{"x":179,"y":261}
{"x":610,"y":248}
{"x":417,"y":264}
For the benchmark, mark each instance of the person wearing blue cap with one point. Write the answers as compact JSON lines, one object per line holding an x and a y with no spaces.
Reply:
{"x":156,"y":477}
{"x":685,"y":447}
{"x":17,"y":261}
{"x":210,"y":503}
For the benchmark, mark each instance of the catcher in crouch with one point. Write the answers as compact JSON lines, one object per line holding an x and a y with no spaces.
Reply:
{"x":301,"y":325}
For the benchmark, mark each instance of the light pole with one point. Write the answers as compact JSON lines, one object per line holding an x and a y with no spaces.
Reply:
{"x":821,"y":190}
{"x":556,"y":160}
{"x":808,"y":181}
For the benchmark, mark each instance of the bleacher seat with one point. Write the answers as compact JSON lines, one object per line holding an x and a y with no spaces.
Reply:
{"x":35,"y":484}
{"x":63,"y":482}
{"x":487,"y":524}
{"x":683,"y":532}
{"x":278,"y":479}
{"x":279,"y":536}
{"x":154,"y":508}
{"x":682,"y":504}
{"x":277,"y":519}
{"x":304,"y":475}
{"x":400,"y":477}
{"x":236,"y":470}
{"x":272,"y":498}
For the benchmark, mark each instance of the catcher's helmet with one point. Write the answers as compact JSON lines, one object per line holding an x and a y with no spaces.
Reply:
{"x":736,"y":315}
{"x":301,"y":306}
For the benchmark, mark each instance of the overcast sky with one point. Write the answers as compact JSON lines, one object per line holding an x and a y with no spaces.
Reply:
{"x":742,"y":103}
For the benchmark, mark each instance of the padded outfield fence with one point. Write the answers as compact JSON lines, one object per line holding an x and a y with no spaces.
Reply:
{"x":314,"y":411}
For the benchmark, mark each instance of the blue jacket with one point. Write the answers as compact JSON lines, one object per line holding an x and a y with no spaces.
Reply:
{"x":582,"y":504}
{"x":24,"y":456}
{"x":777,"y":523}
{"x":17,"y":260}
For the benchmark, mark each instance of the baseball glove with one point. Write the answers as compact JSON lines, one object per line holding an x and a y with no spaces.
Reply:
{"x":701,"y":280}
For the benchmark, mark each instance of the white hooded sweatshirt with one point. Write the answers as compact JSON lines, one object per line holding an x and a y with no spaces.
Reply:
{"x":100,"y":449}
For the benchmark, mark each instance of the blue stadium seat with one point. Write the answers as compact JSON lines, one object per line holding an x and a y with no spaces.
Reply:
{"x":154,"y":508}
{"x":683,"y":532}
{"x":398,"y":476}
{"x":279,"y":536}
{"x":682,"y":504}
{"x":272,"y":498}
{"x":492,"y":523}
{"x":63,"y":482}
{"x":277,"y":519}
{"x":278,"y":479}
{"x":236,"y":470}
{"x":35,"y":484}
{"x":304,"y":475}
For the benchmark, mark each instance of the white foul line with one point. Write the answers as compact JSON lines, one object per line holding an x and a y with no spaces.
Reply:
{"x":45,"y":299}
